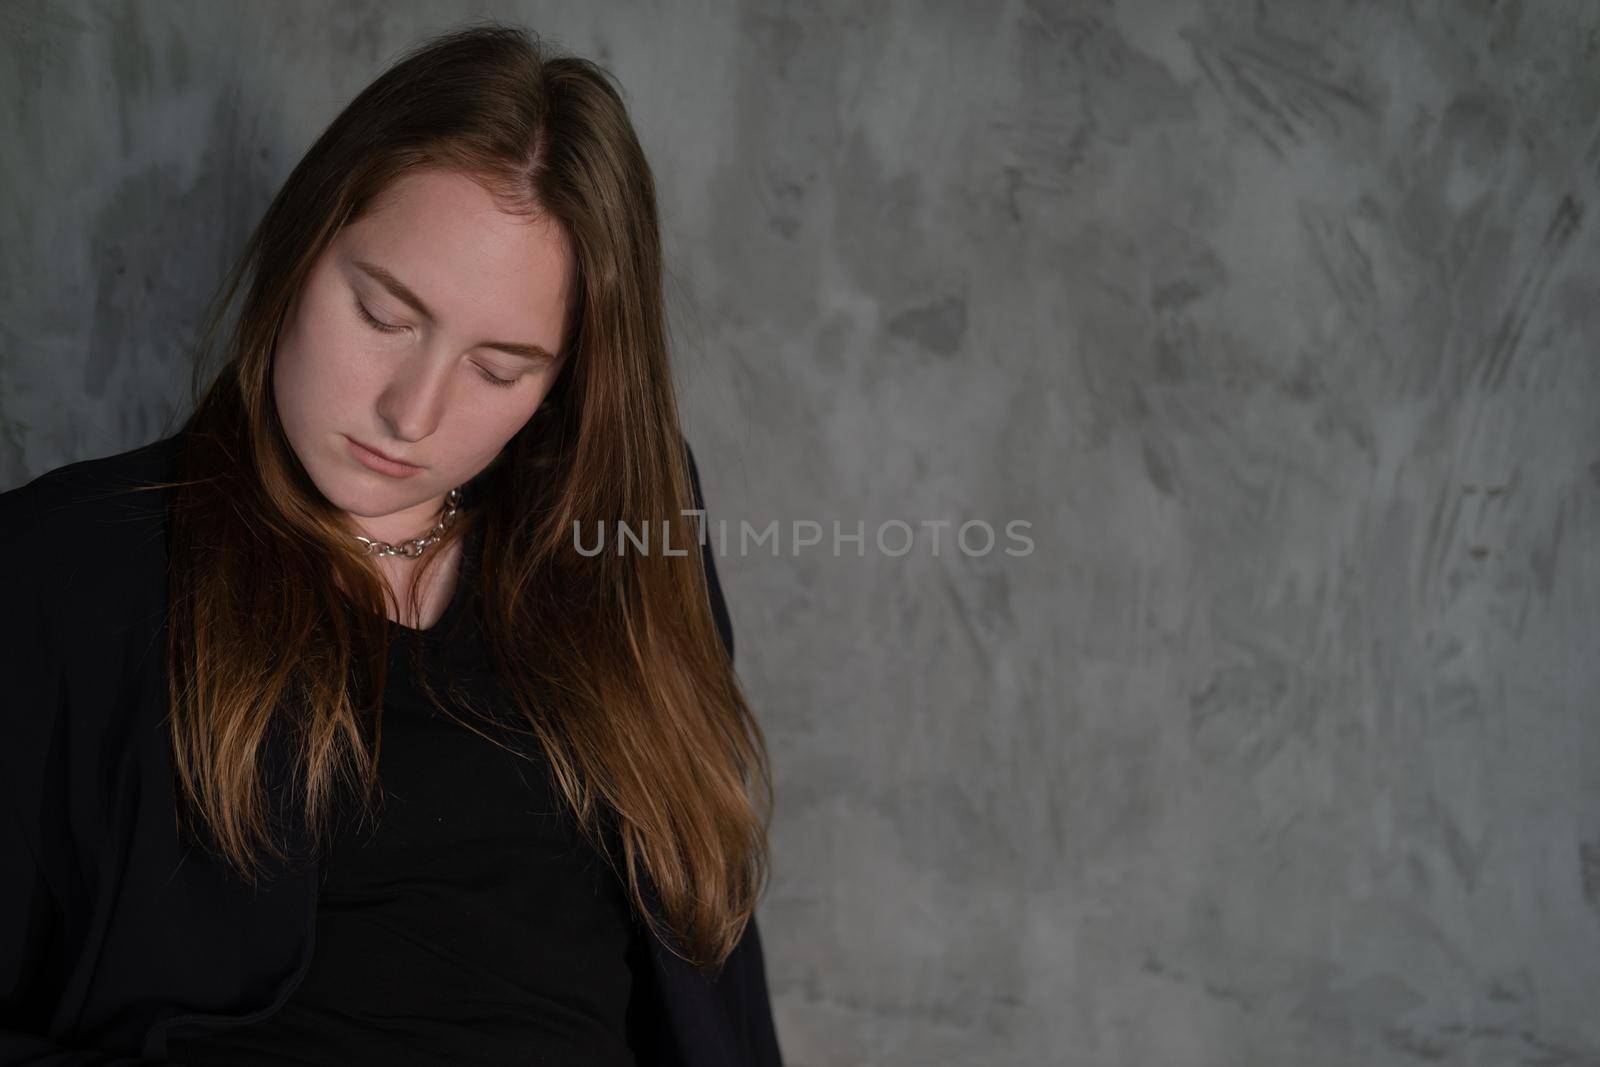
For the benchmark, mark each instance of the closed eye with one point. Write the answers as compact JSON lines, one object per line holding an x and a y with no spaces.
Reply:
{"x":492,"y":379}
{"x":374,"y":323}
{"x":495,"y":379}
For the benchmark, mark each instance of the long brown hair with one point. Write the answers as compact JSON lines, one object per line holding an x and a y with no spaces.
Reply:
{"x":614,"y":660}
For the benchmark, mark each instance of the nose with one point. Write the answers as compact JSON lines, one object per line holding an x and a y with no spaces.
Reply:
{"x":413,"y":401}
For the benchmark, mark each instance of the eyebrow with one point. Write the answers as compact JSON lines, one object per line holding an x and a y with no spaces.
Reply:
{"x":402,"y":292}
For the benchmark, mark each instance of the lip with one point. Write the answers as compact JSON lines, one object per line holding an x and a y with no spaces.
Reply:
{"x":379,"y":462}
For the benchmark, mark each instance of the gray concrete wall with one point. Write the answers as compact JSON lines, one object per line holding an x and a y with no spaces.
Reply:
{"x":1276,"y":321}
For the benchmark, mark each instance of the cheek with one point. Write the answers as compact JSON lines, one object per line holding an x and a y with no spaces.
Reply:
{"x":488,"y":427}
{"x":288,"y":385}
{"x":319,"y":367}
{"x":295,"y":373}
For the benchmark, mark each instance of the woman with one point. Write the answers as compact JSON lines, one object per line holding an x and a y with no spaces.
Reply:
{"x":325,"y":740}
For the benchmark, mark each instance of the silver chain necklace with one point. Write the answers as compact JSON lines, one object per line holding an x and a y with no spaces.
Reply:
{"x":414,"y":547}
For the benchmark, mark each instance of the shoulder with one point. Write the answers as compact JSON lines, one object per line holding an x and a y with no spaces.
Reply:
{"x":89,"y":505}
{"x":102,"y":489}
{"x":82,"y":563}
{"x":83,"y":541}
{"x":719,"y":603}
{"x":694,"y":468}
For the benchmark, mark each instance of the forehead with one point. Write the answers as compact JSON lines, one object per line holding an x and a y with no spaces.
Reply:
{"x":477,"y":267}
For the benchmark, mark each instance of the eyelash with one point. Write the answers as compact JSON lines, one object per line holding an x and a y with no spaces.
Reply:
{"x":384,"y":327}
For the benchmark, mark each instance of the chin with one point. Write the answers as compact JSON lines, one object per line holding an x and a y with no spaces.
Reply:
{"x":348,"y":491}
{"x":372,"y":503}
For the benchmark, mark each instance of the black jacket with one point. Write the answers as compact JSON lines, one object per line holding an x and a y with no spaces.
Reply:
{"x":112,"y":930}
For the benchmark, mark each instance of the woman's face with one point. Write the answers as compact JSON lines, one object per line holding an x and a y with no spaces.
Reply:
{"x":462,"y":294}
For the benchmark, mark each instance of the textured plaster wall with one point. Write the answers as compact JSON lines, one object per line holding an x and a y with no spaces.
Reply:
{"x":1278,"y":323}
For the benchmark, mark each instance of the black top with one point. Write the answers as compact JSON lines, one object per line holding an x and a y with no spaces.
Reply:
{"x":116,"y":934}
{"x":472,"y":923}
